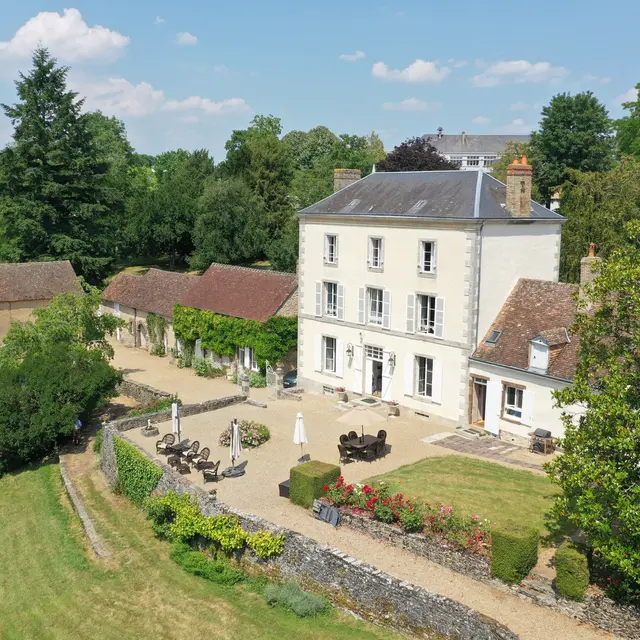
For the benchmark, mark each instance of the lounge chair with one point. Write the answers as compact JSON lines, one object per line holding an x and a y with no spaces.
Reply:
{"x":164,"y":445}
{"x":352,"y":435}
{"x":192,"y":451}
{"x":210,"y":472}
{"x":200,"y":458}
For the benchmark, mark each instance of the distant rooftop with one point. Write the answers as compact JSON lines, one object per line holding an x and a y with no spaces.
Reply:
{"x":426,"y":194}
{"x":470,"y":143}
{"x":24,"y":281}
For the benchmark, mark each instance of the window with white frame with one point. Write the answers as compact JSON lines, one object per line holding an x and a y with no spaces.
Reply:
{"x":375,"y":253}
{"x":427,"y":256}
{"x":374,"y":305}
{"x":427,"y":314}
{"x":513,"y":402}
{"x":489,"y":160}
{"x":424,"y":377}
{"x":329,"y":354}
{"x":331,"y":249}
{"x":330,"y":299}
{"x":473,"y":161}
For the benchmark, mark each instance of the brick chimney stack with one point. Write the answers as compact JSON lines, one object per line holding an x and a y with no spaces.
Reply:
{"x":587,"y":264}
{"x":519,"y":180}
{"x":344,"y":177}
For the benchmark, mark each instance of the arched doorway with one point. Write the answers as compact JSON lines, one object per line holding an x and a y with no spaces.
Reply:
{"x":142,"y":336}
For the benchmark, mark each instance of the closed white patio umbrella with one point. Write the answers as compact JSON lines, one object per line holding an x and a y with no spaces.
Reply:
{"x":299,"y":433}
{"x":235,"y":447}
{"x":175,"y":418}
{"x":361,"y":418}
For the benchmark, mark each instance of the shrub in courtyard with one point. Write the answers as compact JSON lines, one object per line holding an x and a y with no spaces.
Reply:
{"x":514,"y":552}
{"x":158,"y":350}
{"x":291,"y":596}
{"x":137,"y":475}
{"x":97,"y":443}
{"x":199,"y":564}
{"x":252,"y":434}
{"x":257,"y":380}
{"x":307,"y":481}
{"x":572,"y":572}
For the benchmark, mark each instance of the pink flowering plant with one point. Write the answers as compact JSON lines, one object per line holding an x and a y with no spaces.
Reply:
{"x":252,"y":434}
{"x":468,"y":533}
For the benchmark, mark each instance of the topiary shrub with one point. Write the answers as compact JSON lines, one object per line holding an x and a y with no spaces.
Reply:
{"x":137,"y":475}
{"x":291,"y":596}
{"x":307,"y":481}
{"x":97,"y":443}
{"x":514,"y":552}
{"x":572,"y":572}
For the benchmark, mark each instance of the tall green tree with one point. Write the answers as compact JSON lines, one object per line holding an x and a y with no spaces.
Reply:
{"x":575,"y":133}
{"x":416,"y":154}
{"x":599,"y":470}
{"x":56,"y":202}
{"x":597,"y":206}
{"x":628,"y":128}
{"x":308,"y":147}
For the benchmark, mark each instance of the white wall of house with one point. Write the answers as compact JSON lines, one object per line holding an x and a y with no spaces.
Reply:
{"x":537,"y":409}
{"x":509,"y":252}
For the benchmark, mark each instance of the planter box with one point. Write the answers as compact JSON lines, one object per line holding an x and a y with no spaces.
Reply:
{"x":283,"y":488}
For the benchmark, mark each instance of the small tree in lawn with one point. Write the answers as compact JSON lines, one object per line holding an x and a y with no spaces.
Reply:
{"x":599,"y":471}
{"x":415,"y":154}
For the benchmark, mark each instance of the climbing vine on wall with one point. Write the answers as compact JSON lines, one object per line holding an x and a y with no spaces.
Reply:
{"x":137,"y":475}
{"x":272,"y":340}
{"x":156,"y":325}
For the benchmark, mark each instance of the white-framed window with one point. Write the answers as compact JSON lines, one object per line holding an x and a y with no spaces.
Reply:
{"x":473,"y":161}
{"x":427,"y":262}
{"x":254,"y":362}
{"x":489,"y":160}
{"x":374,"y":353}
{"x":424,"y":377}
{"x":331,"y":249}
{"x":513,"y":397}
{"x":376,"y":253}
{"x":374,"y":305}
{"x":427,"y":314}
{"x":329,"y":354}
{"x":331,"y":299}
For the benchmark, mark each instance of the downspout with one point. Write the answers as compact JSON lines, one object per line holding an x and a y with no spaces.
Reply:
{"x":479,"y":266}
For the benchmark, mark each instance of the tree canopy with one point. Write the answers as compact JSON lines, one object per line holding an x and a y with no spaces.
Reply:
{"x":575,"y":133}
{"x":415,"y":154}
{"x":628,"y":128}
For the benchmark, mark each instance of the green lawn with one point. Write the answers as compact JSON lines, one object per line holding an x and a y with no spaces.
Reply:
{"x":51,"y":588}
{"x":499,"y":493}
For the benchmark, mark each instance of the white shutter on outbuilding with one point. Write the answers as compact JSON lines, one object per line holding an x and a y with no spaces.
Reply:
{"x":318,"y":299}
{"x":361,"y":305}
{"x":411,"y":313}
{"x":386,"y":309}
{"x":340,"y":302}
{"x":340,"y":358}
{"x":492,"y":407}
{"x":409,"y":368}
{"x":527,"y":408}
{"x":317,"y":361}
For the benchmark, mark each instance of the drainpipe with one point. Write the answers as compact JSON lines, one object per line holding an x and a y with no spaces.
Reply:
{"x":475,"y":341}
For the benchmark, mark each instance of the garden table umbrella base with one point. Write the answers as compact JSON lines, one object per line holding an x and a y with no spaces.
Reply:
{"x":233,"y":472}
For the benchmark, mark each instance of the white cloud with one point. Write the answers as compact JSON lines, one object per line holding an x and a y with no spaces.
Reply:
{"x":224,"y":107}
{"x":417,"y":71}
{"x":517,"y":126}
{"x":597,"y":79}
{"x":410,"y":104}
{"x":481,"y":120}
{"x":185,"y":38}
{"x":118,"y":96}
{"x":159,"y":20}
{"x":352,"y":57}
{"x":627,"y":96}
{"x":457,"y":64}
{"x":520,"y":72}
{"x":67,"y":36}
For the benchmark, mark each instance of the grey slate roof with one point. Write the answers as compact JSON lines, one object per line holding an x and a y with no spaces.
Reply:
{"x":426,"y":194}
{"x":477,"y":144}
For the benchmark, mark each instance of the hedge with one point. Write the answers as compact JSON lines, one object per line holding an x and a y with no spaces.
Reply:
{"x":572,"y":572}
{"x":137,"y":475}
{"x":514,"y":552}
{"x":307,"y":481}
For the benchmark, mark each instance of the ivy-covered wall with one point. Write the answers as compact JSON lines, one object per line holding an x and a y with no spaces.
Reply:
{"x":272,"y":340}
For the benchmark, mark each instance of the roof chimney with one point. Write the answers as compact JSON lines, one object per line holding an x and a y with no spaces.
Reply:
{"x":440,"y":131}
{"x":344,"y":177}
{"x":519,"y":179}
{"x":587,"y":264}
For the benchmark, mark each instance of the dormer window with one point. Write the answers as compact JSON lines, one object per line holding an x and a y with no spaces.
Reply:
{"x":539,"y":355}
{"x":494,"y":336}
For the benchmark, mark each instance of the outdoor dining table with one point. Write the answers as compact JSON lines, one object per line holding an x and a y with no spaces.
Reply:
{"x":361,"y":442}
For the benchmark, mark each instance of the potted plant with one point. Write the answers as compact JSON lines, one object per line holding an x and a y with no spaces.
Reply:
{"x":394,"y":408}
{"x":341,"y":393}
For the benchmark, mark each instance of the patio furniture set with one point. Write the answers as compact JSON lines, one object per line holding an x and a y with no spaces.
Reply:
{"x":364,"y":447}
{"x":183,"y":457}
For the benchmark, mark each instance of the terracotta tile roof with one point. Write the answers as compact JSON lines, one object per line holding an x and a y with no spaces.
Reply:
{"x":252,"y":294}
{"x":535,"y":308}
{"x":36,"y":280}
{"x":157,"y":291}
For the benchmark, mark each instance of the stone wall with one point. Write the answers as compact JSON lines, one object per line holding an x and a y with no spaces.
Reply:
{"x":373,"y":594}
{"x":126,"y":424}
{"x":141,"y":392}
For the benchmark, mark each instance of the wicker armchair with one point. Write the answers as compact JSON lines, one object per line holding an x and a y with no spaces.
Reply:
{"x":164,"y":445}
{"x":210,"y":472}
{"x":369,"y":452}
{"x":382,"y":434}
{"x":344,"y":438}
{"x":345,"y":454}
{"x":192,"y":451}
{"x":352,"y":435}
{"x":200,"y":458}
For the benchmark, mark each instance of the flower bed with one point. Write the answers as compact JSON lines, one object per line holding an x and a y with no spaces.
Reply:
{"x":467,"y":533}
{"x":252,"y":434}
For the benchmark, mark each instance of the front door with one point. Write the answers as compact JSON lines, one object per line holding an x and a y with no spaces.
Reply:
{"x":373,"y":370}
{"x":478,"y":400}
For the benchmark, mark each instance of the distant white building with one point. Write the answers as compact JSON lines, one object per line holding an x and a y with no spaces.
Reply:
{"x":472,"y":152}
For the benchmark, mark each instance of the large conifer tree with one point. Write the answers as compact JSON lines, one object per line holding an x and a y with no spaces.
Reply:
{"x":55,"y":202}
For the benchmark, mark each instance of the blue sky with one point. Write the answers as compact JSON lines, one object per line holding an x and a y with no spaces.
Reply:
{"x":185,"y":74}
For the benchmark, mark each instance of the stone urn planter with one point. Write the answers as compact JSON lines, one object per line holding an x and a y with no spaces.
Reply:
{"x":149,"y":431}
{"x":394,"y":410}
{"x":342,"y":396}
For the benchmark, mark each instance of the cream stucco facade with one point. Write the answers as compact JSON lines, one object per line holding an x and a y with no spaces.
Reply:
{"x":425,"y":371}
{"x":19,"y":311}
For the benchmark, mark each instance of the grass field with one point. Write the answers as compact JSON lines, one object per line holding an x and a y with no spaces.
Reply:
{"x":499,"y":493}
{"x":52,"y":588}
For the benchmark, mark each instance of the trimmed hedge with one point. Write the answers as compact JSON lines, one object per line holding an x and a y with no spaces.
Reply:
{"x":514,"y":552}
{"x":572,"y":572}
{"x":307,"y":481}
{"x":137,"y":475}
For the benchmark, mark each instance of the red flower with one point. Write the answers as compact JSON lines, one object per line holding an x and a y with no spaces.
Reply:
{"x":325,"y":488}
{"x":366,"y":489}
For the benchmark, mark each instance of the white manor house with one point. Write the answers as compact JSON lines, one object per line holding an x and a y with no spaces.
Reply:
{"x":401,"y":275}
